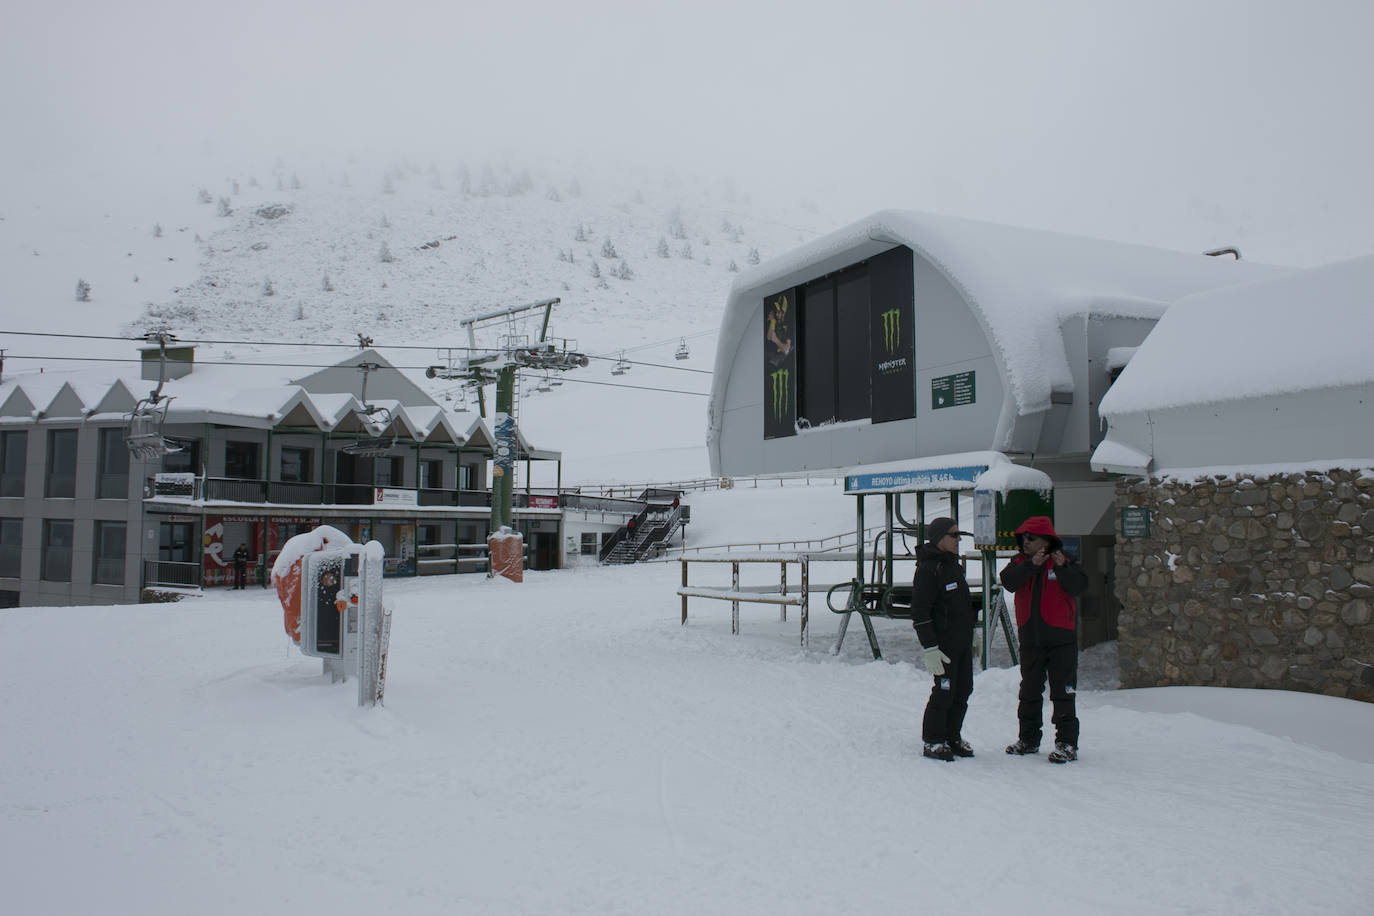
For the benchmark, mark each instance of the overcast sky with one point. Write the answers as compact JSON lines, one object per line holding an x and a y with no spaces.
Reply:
{"x":1186,"y":124}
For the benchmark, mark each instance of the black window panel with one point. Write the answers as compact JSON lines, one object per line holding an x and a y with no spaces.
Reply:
{"x":174,"y":542}
{"x":241,"y":460}
{"x":57,"y":550}
{"x":432,"y":474}
{"x":851,"y":339}
{"x":109,"y":553}
{"x":112,"y":481}
{"x":11,"y":547}
{"x":295,"y":464}
{"x":390,"y":471}
{"x":14,"y":448}
{"x":9,"y":599}
{"x":186,"y":461}
{"x":61,"y":480}
{"x":816,"y":349}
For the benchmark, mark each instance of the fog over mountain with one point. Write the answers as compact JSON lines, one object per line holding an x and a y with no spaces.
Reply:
{"x":433,"y":161}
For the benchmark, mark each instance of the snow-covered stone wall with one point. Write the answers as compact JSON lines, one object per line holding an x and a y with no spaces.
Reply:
{"x":1250,"y":581}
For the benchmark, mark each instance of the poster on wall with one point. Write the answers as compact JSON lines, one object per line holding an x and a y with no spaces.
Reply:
{"x":892,"y":337}
{"x":780,"y":365}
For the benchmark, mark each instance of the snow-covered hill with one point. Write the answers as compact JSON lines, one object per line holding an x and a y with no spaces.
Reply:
{"x":640,"y":260}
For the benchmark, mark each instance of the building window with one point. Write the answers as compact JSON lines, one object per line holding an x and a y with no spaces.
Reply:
{"x":432,"y":474}
{"x":57,"y":550}
{"x":296,"y":464}
{"x":590,"y":543}
{"x":14,"y":447}
{"x":112,"y":478}
{"x":61,"y":482}
{"x":109,"y":553}
{"x":11,"y":547}
{"x":9,"y":599}
{"x":185,"y":461}
{"x":241,"y":460}
{"x":467,"y":476}
{"x":391,"y":472}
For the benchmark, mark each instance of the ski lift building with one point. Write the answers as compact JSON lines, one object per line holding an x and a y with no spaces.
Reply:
{"x":911,"y":335}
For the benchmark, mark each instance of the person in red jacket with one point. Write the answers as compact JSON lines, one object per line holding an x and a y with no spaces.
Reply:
{"x":1045,"y":581}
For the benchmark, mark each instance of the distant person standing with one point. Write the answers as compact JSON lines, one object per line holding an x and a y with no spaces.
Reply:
{"x":240,"y":566}
{"x":1046,"y":581}
{"x":943,"y":615}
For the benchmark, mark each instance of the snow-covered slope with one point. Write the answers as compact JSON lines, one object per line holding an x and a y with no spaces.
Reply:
{"x":566,"y":746}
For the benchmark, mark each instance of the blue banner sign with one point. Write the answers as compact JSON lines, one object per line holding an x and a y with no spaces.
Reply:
{"x":914,"y":481}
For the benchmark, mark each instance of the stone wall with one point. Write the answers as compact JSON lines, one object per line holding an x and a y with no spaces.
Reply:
{"x":1250,"y":581}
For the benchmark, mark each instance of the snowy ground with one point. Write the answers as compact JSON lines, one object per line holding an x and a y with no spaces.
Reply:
{"x":566,"y":746}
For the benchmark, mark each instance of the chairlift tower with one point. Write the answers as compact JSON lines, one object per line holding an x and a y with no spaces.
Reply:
{"x":501,"y":366}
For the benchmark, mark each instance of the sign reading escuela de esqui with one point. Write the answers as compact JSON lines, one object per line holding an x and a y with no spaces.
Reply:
{"x":955,"y":390}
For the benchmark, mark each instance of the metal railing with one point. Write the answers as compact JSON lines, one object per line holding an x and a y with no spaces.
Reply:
{"x":168,"y":572}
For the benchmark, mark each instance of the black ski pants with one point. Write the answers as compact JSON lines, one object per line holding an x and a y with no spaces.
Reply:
{"x":944,"y":718}
{"x":1060,"y":663}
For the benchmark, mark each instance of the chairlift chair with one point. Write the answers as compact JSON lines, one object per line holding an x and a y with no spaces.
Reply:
{"x":622,"y":365}
{"x":682,"y":351}
{"x":143,"y":430}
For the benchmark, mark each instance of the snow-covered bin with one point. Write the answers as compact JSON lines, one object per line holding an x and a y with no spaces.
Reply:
{"x":507,"y":551}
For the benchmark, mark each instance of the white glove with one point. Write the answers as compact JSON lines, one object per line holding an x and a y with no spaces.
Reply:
{"x":935,"y":660}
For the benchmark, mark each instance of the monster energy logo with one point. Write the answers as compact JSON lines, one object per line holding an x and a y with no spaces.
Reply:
{"x":892,"y":330}
{"x":781,"y":389}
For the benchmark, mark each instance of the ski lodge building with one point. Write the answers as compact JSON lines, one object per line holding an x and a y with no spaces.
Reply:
{"x":909,"y":335}
{"x":261,"y":456}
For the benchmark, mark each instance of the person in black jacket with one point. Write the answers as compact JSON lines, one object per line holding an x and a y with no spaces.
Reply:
{"x":1046,"y":580}
{"x":240,"y":566}
{"x":943,"y":614}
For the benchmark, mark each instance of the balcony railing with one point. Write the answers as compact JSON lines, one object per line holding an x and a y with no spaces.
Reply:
{"x":228,"y":489}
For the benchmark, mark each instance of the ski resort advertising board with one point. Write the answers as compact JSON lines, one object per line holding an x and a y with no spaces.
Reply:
{"x":780,"y":365}
{"x":841,"y":347}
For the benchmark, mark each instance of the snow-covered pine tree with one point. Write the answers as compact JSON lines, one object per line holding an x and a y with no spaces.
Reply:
{"x":157,"y":230}
{"x":83,"y":291}
{"x":385,"y":255}
{"x":686,"y":251}
{"x":608,"y":250}
{"x":203,"y":196}
{"x":223,"y":208}
{"x":295,"y":182}
{"x":624,"y":272}
{"x":753,"y":256}
{"x":327,"y":284}
{"x":733,"y":268}
{"x":581,"y":235}
{"x":596,"y":270}
{"x":267,"y":288}
{"x":663,"y":251}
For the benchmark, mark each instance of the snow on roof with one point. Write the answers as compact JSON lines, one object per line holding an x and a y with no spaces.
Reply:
{"x":981,"y":470}
{"x":1301,"y":331}
{"x":233,"y":392}
{"x":1020,"y":283}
